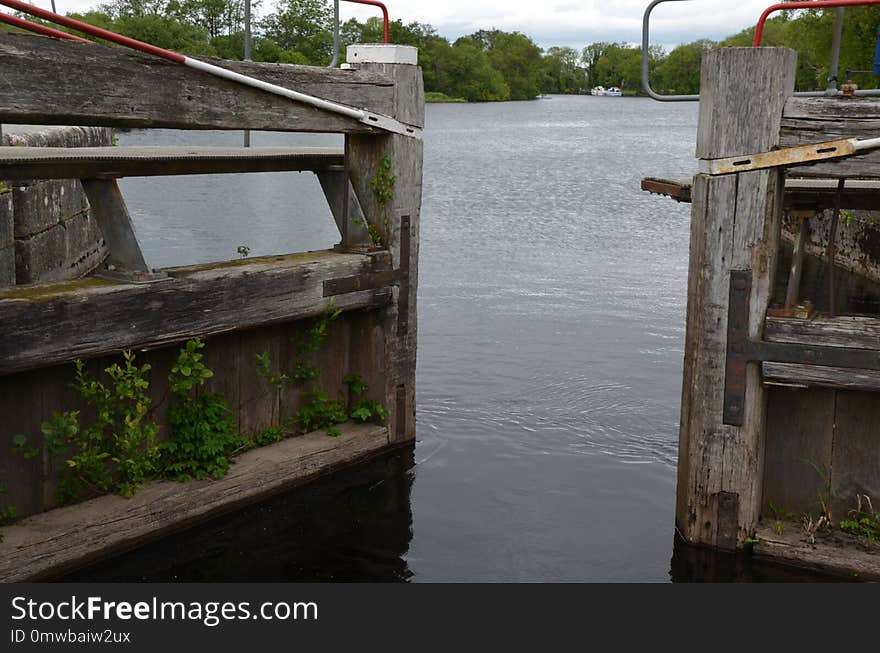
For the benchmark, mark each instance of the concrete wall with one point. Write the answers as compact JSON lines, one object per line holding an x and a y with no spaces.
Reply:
{"x":54,"y":236}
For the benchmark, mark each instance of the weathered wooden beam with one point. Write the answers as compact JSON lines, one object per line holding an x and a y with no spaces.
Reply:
{"x":63,"y":539}
{"x":398,"y":225}
{"x":813,"y":376}
{"x":92,"y":162}
{"x":815,"y":120}
{"x":848,"y":559}
{"x":46,"y":81}
{"x":814,"y":194}
{"x":852,"y":332}
{"x":110,"y":212}
{"x":734,"y":226}
{"x":45,"y":325}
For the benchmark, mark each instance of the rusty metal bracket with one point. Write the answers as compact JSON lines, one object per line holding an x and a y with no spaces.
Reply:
{"x":790,"y":156}
{"x":381,"y":278}
{"x":742,"y":350}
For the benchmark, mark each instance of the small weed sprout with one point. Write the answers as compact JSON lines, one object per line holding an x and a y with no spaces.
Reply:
{"x":243,"y":251}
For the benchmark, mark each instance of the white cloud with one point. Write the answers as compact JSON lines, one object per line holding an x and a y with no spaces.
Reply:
{"x":559,"y":23}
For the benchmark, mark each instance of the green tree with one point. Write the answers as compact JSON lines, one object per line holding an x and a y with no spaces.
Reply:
{"x":561,"y":72}
{"x":303,"y":26}
{"x":516,"y":57}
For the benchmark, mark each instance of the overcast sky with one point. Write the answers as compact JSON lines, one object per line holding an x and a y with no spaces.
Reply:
{"x":555,"y":22}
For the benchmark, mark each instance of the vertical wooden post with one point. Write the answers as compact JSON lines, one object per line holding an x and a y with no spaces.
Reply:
{"x":735,"y":225}
{"x":400,"y":233}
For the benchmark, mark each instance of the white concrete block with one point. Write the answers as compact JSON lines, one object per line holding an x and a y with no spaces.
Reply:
{"x":382,"y":53}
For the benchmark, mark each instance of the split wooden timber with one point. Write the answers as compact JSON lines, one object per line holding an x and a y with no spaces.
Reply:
{"x":61,"y":540}
{"x":735,"y":226}
{"x":817,"y":194}
{"x":106,"y":88}
{"x":45,"y":325}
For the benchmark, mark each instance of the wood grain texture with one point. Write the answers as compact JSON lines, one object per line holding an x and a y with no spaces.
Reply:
{"x":812,"y":376}
{"x":739,"y":112}
{"x":797,"y":451}
{"x":858,"y":332}
{"x":816,"y":120}
{"x":64,"y":538}
{"x":734,"y":226}
{"x":855,"y":467}
{"x":43,"y":325}
{"x":117,"y":87}
{"x":406,"y":156}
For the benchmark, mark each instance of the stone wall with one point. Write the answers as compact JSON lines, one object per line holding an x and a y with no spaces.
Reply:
{"x":53,"y":234}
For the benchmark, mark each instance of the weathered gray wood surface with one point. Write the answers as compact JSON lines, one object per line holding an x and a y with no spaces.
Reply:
{"x":843,"y":556}
{"x":738,"y":115}
{"x":812,"y":376}
{"x":863,"y":194}
{"x":49,"y":81}
{"x":43,"y":325}
{"x":734,"y":226}
{"x":64,"y":538}
{"x":800,"y":433}
{"x":406,"y":156}
{"x":815,"y":120}
{"x":843,"y":331}
{"x":855,"y":464}
{"x":90,"y":162}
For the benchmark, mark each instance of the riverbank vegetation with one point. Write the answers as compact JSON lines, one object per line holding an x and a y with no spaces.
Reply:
{"x":488,"y":65}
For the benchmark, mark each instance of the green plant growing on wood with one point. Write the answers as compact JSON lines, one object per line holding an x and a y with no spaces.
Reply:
{"x":203,"y":434}
{"x":863,"y":521}
{"x":7,"y":513}
{"x":306,"y":345}
{"x":117,"y":452}
{"x":382,"y":185}
{"x":4,"y":188}
{"x":243,"y":251}
{"x":365,"y":410}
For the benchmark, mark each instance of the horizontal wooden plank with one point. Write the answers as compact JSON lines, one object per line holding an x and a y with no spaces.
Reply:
{"x":50,"y":81}
{"x":46,"y":325}
{"x":815,"y":120}
{"x":860,"y":194}
{"x":814,"y":376}
{"x":90,"y":162}
{"x":834,"y":552}
{"x":60,"y":540}
{"x":844,"y":331}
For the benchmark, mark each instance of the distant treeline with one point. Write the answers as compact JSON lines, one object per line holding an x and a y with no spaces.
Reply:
{"x":488,"y":65}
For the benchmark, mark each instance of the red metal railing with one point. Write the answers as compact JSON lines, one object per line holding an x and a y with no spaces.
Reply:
{"x":384,"y":9}
{"x":15,"y":21}
{"x":816,"y":4}
{"x":79,"y":26}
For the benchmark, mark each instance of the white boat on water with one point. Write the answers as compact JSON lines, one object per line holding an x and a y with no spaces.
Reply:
{"x":613,"y":92}
{"x":597,"y":90}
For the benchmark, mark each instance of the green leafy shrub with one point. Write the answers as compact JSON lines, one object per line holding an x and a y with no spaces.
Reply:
{"x":864,"y":521}
{"x":203,"y":434}
{"x":117,"y":452}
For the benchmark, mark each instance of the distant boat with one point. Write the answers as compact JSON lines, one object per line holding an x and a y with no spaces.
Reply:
{"x":598,"y":90}
{"x":613,"y":92}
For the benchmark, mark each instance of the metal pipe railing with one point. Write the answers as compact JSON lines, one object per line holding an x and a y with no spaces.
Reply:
{"x":810,"y":4}
{"x":335,"y":61}
{"x":36,"y":28}
{"x":835,"y":55}
{"x":370,"y":118}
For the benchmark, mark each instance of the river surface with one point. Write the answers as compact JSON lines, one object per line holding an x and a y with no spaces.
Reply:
{"x":551,"y":327}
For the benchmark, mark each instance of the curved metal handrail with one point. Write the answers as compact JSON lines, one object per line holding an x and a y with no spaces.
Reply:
{"x":831,"y":91}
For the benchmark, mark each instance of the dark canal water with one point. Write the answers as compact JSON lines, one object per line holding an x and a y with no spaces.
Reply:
{"x":551,"y":307}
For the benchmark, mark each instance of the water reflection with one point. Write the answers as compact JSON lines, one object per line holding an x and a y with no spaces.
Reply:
{"x":356,"y":526}
{"x":703,"y":565}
